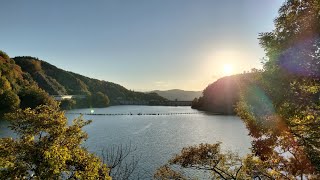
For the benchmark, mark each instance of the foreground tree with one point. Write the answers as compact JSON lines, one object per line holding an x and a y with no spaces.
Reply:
{"x":221,"y":165}
{"x":281,"y":108}
{"x":47,"y":148}
{"x":229,"y":166}
{"x":206,"y":157}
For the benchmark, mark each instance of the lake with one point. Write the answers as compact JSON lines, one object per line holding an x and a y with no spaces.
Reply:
{"x":158,"y":137}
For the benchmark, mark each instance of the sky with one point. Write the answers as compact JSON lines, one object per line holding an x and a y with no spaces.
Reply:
{"x":141,"y":44}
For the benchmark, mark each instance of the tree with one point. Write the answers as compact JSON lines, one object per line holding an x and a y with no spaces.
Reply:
{"x":282,"y":108}
{"x":33,"y":96}
{"x":4,"y":55}
{"x":47,"y":148}
{"x":208,"y":157}
{"x":4,"y":84}
{"x":121,"y":161}
{"x":8,"y":101}
{"x":166,"y":173}
{"x":67,"y":104}
{"x":224,"y":165}
{"x":99,"y":100}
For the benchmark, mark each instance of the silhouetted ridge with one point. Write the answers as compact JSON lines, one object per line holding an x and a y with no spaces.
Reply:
{"x":222,"y":95}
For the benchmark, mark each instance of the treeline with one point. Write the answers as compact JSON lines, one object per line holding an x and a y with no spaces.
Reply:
{"x":97,"y":100}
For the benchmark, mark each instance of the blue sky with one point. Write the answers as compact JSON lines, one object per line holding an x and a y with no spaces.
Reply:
{"x":140,"y":44}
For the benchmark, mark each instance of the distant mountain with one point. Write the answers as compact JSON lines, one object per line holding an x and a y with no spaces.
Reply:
{"x":57,"y":81}
{"x":178,"y":94}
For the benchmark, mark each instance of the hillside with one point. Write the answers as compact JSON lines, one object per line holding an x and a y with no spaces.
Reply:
{"x":17,"y":88}
{"x":57,"y":81}
{"x":180,"y":95}
{"x":222,"y":95}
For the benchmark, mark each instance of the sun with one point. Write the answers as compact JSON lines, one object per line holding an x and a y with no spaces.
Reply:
{"x":227,"y":69}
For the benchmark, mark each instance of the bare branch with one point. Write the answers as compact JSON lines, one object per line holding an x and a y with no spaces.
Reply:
{"x":121,"y":160}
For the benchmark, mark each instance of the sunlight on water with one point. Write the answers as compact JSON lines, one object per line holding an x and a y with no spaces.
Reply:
{"x":159,"y":137}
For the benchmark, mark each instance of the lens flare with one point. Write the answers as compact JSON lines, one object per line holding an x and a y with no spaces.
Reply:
{"x":302,"y":59}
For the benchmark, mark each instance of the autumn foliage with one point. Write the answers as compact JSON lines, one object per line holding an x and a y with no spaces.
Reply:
{"x":47,"y":147}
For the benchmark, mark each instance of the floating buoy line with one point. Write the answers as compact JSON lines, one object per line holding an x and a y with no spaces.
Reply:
{"x":131,"y":114}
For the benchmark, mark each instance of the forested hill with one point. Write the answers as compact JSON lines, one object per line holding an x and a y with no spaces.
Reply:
{"x":60,"y":82}
{"x":222,"y":95}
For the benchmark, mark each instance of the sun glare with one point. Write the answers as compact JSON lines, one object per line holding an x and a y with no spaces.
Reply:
{"x":227,"y":69}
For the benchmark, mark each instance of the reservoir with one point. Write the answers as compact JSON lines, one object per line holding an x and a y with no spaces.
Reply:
{"x":157,"y":137}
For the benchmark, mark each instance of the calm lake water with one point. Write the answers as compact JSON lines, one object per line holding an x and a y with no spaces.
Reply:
{"x":159,"y":137}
